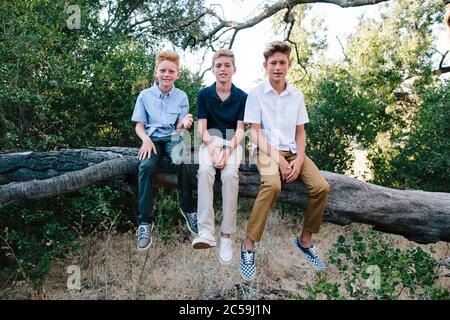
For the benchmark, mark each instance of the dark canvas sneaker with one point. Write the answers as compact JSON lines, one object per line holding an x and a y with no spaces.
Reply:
{"x":144,"y":236}
{"x":247,"y":264}
{"x":310,"y":254}
{"x":191,"y":220}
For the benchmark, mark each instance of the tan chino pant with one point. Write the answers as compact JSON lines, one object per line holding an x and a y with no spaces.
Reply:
{"x":270,"y":188}
{"x":230,"y":186}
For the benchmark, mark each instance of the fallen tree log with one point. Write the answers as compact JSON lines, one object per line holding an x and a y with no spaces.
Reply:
{"x":423,"y":217}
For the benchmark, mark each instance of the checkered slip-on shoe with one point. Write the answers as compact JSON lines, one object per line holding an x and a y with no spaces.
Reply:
{"x":247,"y":264}
{"x":310,"y":254}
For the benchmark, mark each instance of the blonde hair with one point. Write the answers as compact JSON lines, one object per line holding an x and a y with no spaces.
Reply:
{"x":277,"y":46}
{"x":223,"y":53}
{"x":169,"y":56}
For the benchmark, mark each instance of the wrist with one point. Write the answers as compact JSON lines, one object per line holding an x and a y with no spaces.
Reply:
{"x":229,"y":148}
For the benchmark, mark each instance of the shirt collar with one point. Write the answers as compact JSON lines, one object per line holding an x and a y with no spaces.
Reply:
{"x":267,"y":87}
{"x":159,"y":94}
{"x":213,"y":92}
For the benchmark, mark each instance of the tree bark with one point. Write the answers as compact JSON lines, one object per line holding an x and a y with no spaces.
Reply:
{"x":423,"y":217}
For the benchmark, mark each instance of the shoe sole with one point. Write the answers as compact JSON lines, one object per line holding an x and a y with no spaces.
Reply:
{"x":304,"y":255}
{"x":187,"y":223}
{"x":149,"y":244}
{"x":202,"y":245}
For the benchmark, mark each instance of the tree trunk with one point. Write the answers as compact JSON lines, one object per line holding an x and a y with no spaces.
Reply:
{"x":423,"y":217}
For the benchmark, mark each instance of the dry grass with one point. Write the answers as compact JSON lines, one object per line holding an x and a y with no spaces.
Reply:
{"x":112,"y":268}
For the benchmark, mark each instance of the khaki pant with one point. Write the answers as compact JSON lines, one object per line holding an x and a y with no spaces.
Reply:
{"x":230,"y":186}
{"x":270,"y":188}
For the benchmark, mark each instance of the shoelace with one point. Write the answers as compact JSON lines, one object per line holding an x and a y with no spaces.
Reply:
{"x":192,"y":218}
{"x":248,"y":257}
{"x":143,"y":231}
{"x":311,"y":250}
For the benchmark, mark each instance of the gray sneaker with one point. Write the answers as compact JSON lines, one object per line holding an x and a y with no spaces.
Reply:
{"x":144,"y":236}
{"x":191,"y":220}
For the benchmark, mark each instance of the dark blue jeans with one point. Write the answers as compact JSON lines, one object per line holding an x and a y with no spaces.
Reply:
{"x":147,"y":168}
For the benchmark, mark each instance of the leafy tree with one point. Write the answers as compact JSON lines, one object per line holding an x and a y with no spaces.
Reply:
{"x":76,"y":88}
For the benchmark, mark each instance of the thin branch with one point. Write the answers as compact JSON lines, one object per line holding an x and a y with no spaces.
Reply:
{"x":232,"y":39}
{"x":441,"y":70}
{"x":343,"y":50}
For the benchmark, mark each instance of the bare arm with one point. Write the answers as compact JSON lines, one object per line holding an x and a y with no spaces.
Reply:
{"x":239,"y":135}
{"x":261,"y":142}
{"x":202,"y":130}
{"x":300,"y":140}
{"x":147,"y":143}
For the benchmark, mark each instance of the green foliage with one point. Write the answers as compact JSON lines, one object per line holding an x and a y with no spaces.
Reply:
{"x":170,"y":224}
{"x":322,"y":288}
{"x":364,"y":258}
{"x":75,"y":88}
{"x":361,"y":99}
{"x":34,"y":232}
{"x":419,"y":158}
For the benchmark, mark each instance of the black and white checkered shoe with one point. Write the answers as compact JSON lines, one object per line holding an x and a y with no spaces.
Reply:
{"x":247,"y":265}
{"x":310,"y":254}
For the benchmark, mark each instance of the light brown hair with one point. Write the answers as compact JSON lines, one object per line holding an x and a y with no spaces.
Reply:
{"x":277,"y":46}
{"x":223,"y":53}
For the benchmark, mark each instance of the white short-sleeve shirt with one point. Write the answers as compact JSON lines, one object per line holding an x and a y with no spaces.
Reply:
{"x":278,"y":114}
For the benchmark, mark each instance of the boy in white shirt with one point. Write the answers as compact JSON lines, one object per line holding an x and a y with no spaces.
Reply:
{"x":277,"y":114}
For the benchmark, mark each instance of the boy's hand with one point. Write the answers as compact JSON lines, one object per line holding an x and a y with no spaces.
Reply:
{"x":146,"y":149}
{"x":213,"y":154}
{"x":223,"y":158}
{"x":296,"y":166}
{"x":285,"y":170}
{"x":187,"y":121}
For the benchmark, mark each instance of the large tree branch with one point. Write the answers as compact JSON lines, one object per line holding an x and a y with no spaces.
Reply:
{"x":269,"y":12}
{"x":420,"y":216}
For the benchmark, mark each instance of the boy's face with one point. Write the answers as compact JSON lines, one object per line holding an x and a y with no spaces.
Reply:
{"x":223,"y":69}
{"x":277,"y":66}
{"x":167,"y":73}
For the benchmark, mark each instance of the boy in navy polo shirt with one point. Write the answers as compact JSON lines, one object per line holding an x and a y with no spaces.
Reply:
{"x":160,"y":111}
{"x":221,"y":128}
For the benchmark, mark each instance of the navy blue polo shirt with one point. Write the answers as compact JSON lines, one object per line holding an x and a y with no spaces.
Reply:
{"x":221,"y":115}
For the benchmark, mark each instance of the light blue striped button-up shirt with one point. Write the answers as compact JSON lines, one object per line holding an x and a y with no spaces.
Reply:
{"x":160,"y":111}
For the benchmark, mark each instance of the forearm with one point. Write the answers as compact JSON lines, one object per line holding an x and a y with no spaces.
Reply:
{"x":265,"y":146}
{"x":237,"y":138}
{"x":141,"y":133}
{"x":300,"y":140}
{"x":205,"y":137}
{"x":180,"y":125}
